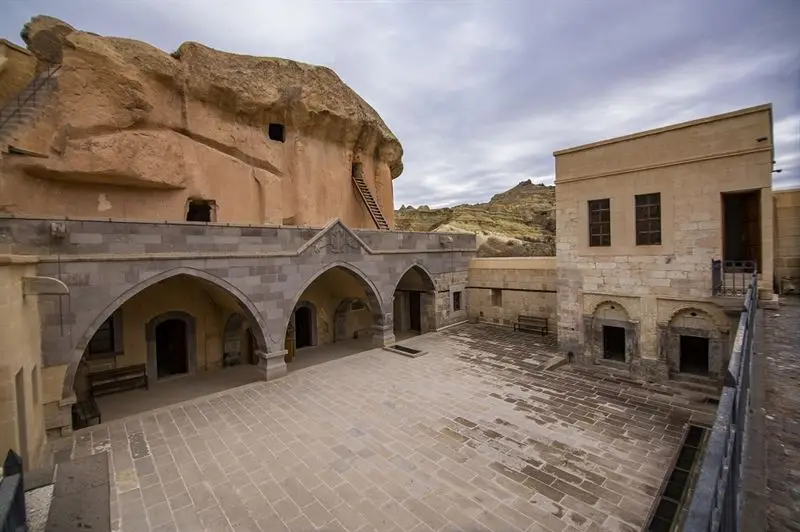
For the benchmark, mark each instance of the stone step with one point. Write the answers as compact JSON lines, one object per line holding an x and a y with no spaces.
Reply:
{"x":81,"y":496}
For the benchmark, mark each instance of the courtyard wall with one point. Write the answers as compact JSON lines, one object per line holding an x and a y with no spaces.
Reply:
{"x":787,"y":240}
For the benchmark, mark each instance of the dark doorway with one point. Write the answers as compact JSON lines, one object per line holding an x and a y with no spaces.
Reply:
{"x":415,"y":311}
{"x":694,"y":355}
{"x":302,"y":327}
{"x":741,"y":213}
{"x":614,"y":343}
{"x":172,"y":355}
{"x":250,"y":356}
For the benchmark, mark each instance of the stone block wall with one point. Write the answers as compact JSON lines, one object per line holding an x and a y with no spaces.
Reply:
{"x":266,"y":269}
{"x":21,"y":396}
{"x":787,"y":240}
{"x":500,"y":289}
{"x":690,"y":165}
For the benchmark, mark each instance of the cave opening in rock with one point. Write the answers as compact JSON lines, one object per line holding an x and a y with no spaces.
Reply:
{"x":276,"y":132}
{"x":200,"y":210}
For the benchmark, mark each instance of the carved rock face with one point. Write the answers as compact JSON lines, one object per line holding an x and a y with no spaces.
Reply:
{"x":45,"y":37}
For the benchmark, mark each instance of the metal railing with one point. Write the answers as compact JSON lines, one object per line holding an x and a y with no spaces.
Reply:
{"x":731,"y":278}
{"x":15,"y":105}
{"x":12,"y":495}
{"x":716,"y":502}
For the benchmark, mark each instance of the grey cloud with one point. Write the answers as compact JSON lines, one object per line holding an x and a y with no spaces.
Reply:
{"x":481,"y":93}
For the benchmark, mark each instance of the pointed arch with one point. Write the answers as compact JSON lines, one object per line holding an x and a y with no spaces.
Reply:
{"x":247,"y":306}
{"x":372,"y":293}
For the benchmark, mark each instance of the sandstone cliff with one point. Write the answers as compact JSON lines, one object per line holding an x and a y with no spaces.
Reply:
{"x":195,"y":123}
{"x":519,"y":222}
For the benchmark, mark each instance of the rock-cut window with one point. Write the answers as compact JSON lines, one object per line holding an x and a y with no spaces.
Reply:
{"x":276,"y":132}
{"x":200,"y":210}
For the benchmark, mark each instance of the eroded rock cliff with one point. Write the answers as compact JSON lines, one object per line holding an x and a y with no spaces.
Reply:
{"x":128,"y":114}
{"x":519,"y":222}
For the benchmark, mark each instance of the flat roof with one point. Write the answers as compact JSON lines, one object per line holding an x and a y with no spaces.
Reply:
{"x":672,"y":127}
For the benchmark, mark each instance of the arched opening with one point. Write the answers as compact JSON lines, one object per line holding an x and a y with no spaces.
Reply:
{"x":693,"y":345}
{"x":184,"y":322}
{"x":172,"y":348}
{"x":338,"y":313}
{"x":414,"y":305}
{"x":612,"y":336}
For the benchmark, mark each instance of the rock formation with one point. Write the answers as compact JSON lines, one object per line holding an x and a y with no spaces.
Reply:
{"x":519,"y":222}
{"x":196,"y":123}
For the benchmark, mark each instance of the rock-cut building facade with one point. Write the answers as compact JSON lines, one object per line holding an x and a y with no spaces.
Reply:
{"x":190,"y":211}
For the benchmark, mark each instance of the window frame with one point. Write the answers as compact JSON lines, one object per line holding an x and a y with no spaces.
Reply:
{"x":599,"y":218}
{"x":92,"y":351}
{"x":457,"y":297}
{"x":647,"y":219}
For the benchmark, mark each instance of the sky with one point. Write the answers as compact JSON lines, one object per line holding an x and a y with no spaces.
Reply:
{"x":481,"y":92}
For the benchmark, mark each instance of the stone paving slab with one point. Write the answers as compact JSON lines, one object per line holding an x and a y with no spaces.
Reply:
{"x":781,"y":350}
{"x":460,"y":439}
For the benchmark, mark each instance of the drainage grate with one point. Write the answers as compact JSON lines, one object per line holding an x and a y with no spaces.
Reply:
{"x":674,"y":493}
{"x":405,"y":351}
{"x":408,"y":350}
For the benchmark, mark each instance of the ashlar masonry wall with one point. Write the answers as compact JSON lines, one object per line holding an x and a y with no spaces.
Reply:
{"x":689,"y":165}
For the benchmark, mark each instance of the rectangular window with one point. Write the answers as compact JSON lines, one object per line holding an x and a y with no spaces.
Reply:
{"x":103,"y":340}
{"x":648,"y":219}
{"x":456,"y":301}
{"x":600,"y":222}
{"x":497,"y":297}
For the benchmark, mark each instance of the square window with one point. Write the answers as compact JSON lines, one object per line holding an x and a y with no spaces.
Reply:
{"x":276,"y":132}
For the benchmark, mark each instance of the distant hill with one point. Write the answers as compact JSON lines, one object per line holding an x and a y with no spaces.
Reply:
{"x":519,"y":222}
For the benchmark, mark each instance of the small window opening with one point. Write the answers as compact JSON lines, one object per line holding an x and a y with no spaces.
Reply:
{"x":456,"y":301}
{"x":614,"y":343}
{"x":199,"y":210}
{"x":497,"y":297}
{"x":276,"y":132}
{"x":694,"y":355}
{"x":355,"y":170}
{"x":357,"y":305}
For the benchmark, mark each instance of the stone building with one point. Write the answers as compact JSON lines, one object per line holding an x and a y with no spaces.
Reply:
{"x":193,"y":211}
{"x":787,"y":241}
{"x":657,"y":234}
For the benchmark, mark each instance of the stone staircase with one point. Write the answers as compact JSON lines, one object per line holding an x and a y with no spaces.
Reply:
{"x":369,"y":199}
{"x":27,"y":105}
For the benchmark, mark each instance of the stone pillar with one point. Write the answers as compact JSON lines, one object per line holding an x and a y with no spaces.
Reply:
{"x":273,"y":364}
{"x":383,"y":335}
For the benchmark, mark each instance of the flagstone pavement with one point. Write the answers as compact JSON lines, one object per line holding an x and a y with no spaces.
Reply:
{"x":474,"y":435}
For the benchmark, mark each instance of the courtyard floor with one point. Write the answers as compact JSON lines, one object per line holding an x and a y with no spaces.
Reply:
{"x":474,"y":435}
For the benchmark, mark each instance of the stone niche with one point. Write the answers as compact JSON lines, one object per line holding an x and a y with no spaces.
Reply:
{"x":611,"y":337}
{"x":692,"y":342}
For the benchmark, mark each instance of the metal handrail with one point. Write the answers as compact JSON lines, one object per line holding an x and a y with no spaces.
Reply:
{"x":38,"y":82}
{"x":716,"y":501}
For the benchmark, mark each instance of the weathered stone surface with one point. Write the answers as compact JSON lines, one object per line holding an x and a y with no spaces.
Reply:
{"x":201,"y":121}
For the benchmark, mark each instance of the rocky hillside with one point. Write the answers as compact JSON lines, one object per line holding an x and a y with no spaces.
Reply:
{"x":519,"y":222}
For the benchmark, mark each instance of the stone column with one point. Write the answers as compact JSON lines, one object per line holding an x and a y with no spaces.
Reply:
{"x":383,"y":335}
{"x":273,"y":364}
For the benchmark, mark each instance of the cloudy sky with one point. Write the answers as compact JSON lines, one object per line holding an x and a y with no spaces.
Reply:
{"x":481,"y":92}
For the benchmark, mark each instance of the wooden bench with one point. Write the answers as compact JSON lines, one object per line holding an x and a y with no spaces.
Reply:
{"x":84,"y":412}
{"x":531,"y":324}
{"x":118,"y":380}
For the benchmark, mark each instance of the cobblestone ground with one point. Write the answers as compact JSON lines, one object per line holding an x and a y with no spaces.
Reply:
{"x":474,"y":435}
{"x":782,"y":409}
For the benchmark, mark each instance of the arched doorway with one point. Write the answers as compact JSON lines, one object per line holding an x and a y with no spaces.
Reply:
{"x":338,"y":313}
{"x":414,"y":303}
{"x":172,"y":348}
{"x":302,"y":327}
{"x":171,"y":345}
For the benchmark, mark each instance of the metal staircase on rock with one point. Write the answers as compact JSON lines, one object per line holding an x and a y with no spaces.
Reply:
{"x":26,"y":105}
{"x":369,"y":199}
